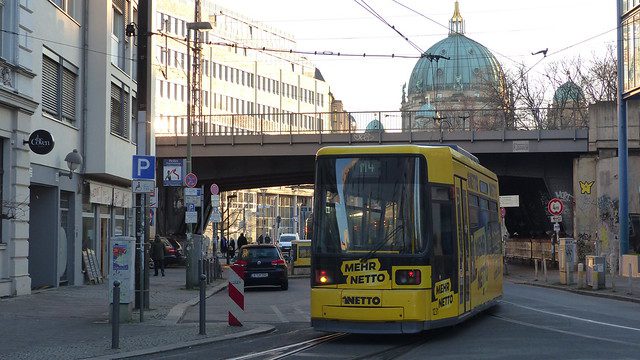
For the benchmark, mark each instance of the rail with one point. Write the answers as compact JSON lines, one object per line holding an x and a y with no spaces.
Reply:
{"x":366,"y":122}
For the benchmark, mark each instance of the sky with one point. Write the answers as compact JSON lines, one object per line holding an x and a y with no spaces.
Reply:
{"x":511,"y":30}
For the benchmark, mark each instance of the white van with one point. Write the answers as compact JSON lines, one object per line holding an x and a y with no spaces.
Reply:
{"x":284,"y":242}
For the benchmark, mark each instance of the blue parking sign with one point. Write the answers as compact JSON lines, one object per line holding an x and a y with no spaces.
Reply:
{"x":144,"y":167}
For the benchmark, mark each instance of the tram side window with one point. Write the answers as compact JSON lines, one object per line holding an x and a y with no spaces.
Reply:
{"x":444,"y":261}
{"x":494,"y":237}
{"x":474,"y":227}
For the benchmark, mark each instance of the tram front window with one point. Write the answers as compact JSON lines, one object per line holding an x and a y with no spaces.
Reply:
{"x":372,"y":203}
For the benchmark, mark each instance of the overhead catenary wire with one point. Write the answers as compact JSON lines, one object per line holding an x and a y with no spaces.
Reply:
{"x":367,"y":7}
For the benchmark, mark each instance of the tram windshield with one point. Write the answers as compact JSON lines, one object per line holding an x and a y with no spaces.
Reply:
{"x":370,"y":204}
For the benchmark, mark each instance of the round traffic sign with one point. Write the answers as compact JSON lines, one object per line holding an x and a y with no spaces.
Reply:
{"x":191,"y":180}
{"x":215,"y":190}
{"x":555,"y":206}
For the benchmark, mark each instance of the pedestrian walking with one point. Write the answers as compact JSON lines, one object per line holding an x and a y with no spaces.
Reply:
{"x":224,"y":245}
{"x":242,"y":241}
{"x":260,"y":239}
{"x":267,"y":239}
{"x":157,"y":254}
{"x":231,"y":252}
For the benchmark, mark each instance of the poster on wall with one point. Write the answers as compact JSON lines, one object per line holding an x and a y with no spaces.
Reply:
{"x":173,"y":172}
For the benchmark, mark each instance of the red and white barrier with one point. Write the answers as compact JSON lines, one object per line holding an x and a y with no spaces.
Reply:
{"x":236,"y":295}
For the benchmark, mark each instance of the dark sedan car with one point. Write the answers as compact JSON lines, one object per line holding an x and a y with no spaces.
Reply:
{"x":264,"y":265}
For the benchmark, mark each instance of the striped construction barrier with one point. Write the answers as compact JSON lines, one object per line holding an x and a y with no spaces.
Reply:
{"x":236,"y":295}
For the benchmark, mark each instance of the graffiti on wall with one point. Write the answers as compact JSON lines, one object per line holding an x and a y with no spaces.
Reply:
{"x":585,"y":186}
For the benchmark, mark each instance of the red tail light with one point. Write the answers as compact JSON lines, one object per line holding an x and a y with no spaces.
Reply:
{"x":408,"y":277}
{"x":172,"y":251}
{"x":241,"y":263}
{"x":278,"y":262}
{"x":323,"y":277}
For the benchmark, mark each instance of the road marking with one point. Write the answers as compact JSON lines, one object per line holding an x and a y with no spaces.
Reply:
{"x":304,"y":345}
{"x":571,"y":317}
{"x":279,"y":314}
{"x":542,"y":327}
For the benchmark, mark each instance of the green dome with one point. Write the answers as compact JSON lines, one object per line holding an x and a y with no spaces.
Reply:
{"x":470,"y":65}
{"x":568,"y":91}
{"x":374,"y":125}
{"x":455,"y":64}
{"x":427,"y":110}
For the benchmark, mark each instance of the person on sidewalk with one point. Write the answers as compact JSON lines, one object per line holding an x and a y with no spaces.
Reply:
{"x":157,"y":254}
{"x":232,"y":250}
{"x":224,"y":246}
{"x":260,"y":239}
{"x":242,"y":241}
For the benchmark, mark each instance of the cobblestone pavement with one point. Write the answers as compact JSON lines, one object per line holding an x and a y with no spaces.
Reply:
{"x":72,"y":322}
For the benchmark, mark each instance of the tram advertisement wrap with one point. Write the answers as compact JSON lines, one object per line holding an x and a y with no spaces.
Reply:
{"x":365,"y":274}
{"x":445,"y":299}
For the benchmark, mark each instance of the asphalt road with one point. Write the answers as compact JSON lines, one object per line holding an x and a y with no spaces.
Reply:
{"x":529,"y":323}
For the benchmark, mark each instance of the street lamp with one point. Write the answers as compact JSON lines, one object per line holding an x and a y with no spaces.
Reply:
{"x":196,"y":26}
{"x":74,"y":160}
{"x":192,"y":278}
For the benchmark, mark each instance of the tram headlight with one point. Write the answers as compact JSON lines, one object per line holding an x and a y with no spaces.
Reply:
{"x":323,"y":277}
{"x":408,"y":277}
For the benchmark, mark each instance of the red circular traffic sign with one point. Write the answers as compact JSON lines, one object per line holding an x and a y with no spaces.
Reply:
{"x":555,"y":206}
{"x":191,"y":180}
{"x":215,"y":190}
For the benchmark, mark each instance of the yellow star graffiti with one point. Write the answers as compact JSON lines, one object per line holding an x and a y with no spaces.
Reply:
{"x":585,"y":186}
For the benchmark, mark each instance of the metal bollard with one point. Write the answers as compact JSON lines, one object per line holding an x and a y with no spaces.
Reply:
{"x":613,"y":274}
{"x":580,"y":275}
{"x":544,"y":270}
{"x":203,"y":305}
{"x":629,"y":283}
{"x":115,"y":316}
{"x":535,"y":263}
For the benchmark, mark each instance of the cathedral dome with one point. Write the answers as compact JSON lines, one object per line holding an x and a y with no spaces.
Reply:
{"x":456,"y":63}
{"x":568,"y":91}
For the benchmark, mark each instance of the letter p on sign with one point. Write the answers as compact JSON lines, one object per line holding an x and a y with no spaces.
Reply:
{"x":144,"y":167}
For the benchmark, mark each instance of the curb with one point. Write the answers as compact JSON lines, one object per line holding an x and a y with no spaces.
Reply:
{"x":581,"y":292}
{"x":259,"y":330}
{"x":177,"y":312}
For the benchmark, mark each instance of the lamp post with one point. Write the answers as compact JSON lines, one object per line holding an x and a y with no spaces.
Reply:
{"x":192,"y":265}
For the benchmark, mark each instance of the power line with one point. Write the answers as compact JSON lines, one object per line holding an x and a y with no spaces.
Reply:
{"x":367,"y":7}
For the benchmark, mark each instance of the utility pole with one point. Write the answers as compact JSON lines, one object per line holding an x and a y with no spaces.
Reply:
{"x":623,"y":146}
{"x":143,"y":148}
{"x":194,"y":112}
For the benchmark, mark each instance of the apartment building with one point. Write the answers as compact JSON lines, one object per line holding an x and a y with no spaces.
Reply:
{"x":70,"y":72}
{"x":269,"y":89}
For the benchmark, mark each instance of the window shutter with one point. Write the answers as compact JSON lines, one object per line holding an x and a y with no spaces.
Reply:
{"x":124,"y":124}
{"x":134,"y":119}
{"x":116,"y":108}
{"x":68,"y":95}
{"x":49,"y":85}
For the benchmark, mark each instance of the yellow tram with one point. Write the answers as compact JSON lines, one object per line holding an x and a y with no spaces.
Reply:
{"x":406,"y":238}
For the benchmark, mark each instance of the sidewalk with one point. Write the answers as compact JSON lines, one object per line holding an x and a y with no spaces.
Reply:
{"x":618,"y":290}
{"x":73,"y":322}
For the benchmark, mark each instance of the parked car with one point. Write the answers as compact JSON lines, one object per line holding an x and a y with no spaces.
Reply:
{"x":284,"y":242}
{"x":173,"y":253}
{"x":263,"y":265}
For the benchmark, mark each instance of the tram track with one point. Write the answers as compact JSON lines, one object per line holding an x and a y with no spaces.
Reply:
{"x":297,"y":349}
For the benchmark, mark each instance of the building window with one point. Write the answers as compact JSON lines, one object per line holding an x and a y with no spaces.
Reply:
{"x":64,"y":5}
{"x":59,"y":88}
{"x":134,"y":119}
{"x":117,"y":33}
{"x":119,"y":111}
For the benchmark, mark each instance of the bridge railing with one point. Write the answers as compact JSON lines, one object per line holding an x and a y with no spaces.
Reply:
{"x":373,"y":121}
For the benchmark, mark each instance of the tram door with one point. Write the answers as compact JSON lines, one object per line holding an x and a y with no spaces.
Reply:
{"x":463,"y":245}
